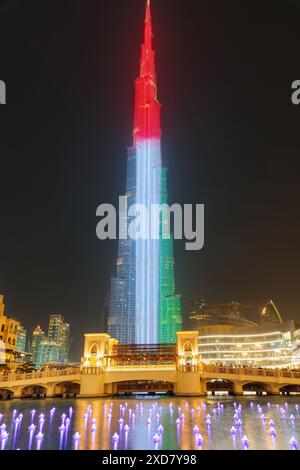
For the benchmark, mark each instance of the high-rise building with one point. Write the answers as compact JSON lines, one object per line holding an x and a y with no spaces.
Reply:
{"x":21,"y":339}
{"x":144,"y":308}
{"x":37,"y":336}
{"x":48,"y":351}
{"x":59,"y":331}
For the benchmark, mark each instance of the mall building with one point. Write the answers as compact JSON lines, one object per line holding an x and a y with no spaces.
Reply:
{"x":226,"y":337}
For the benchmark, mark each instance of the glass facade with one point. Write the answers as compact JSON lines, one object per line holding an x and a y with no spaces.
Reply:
{"x":21,"y":339}
{"x":59,"y":330}
{"x":48,"y":351}
{"x":265,"y":349}
{"x":144,"y":308}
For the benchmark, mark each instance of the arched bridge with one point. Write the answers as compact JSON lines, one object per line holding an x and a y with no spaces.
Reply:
{"x":238,"y":380}
{"x":50,"y":383}
{"x":180,"y":380}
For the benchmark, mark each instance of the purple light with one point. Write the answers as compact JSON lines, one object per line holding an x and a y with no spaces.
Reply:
{"x":76,"y":440}
{"x":160,"y":429}
{"x":245,"y":442}
{"x":3,"y":439}
{"x":62,"y":428}
{"x":39,"y":439}
{"x":294,"y":443}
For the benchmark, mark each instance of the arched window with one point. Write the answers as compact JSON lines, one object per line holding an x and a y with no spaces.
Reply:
{"x":13,"y":342}
{"x":188,"y":347}
{"x":9,"y":340}
{"x":94,"y":350}
{"x":188,"y":353}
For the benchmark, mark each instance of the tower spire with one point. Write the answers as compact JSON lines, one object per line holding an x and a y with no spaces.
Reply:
{"x":147,"y":107}
{"x":147,"y":61}
{"x":148,"y":27}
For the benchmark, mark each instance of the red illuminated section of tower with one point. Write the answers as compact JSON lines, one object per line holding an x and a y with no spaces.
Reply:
{"x":147,"y":107}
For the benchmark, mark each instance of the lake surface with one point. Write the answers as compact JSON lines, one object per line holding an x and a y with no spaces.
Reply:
{"x":155,"y":423}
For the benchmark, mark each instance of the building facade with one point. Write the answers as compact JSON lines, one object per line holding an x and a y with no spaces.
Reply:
{"x":59,"y":331}
{"x":21,"y":339}
{"x":261,"y":347}
{"x":144,"y":308}
{"x":37,"y":336}
{"x":8,"y":333}
{"x":48,"y":351}
{"x":227,"y":337}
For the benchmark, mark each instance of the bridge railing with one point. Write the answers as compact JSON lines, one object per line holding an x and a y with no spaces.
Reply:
{"x":91,"y":370}
{"x":135,"y":367}
{"x":190,"y":368}
{"x":251,"y":371}
{"x":13,"y":377}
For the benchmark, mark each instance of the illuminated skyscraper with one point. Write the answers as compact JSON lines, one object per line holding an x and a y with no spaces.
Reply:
{"x":144,"y":308}
{"x":37,"y":336}
{"x":59,"y":331}
{"x":21,"y":339}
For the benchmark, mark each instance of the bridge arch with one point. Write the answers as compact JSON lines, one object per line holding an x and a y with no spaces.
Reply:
{"x":288,"y":389}
{"x":219,"y":385}
{"x":6,"y":394}
{"x":142,"y":386}
{"x":34,"y":391}
{"x":258,"y":387}
{"x":66,"y":389}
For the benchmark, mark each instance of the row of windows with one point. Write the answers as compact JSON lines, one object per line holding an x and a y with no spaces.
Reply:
{"x":9,"y":341}
{"x":11,"y":329}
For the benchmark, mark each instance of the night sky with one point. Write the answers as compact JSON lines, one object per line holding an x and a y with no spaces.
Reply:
{"x":230,"y":141}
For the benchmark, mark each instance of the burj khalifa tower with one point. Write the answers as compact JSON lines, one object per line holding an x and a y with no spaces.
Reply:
{"x":144,"y":307}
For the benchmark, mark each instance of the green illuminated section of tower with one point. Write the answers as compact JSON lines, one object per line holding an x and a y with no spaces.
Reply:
{"x":170,"y":319}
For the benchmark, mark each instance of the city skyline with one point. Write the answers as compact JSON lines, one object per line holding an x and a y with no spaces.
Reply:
{"x":230,"y":141}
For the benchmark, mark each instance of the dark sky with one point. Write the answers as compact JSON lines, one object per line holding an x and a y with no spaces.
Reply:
{"x":231,"y":141}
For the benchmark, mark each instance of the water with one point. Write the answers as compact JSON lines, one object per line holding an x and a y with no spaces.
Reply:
{"x":157,"y":425}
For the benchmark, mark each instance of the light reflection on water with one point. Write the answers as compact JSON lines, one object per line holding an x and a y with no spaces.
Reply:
{"x":151,"y":423}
